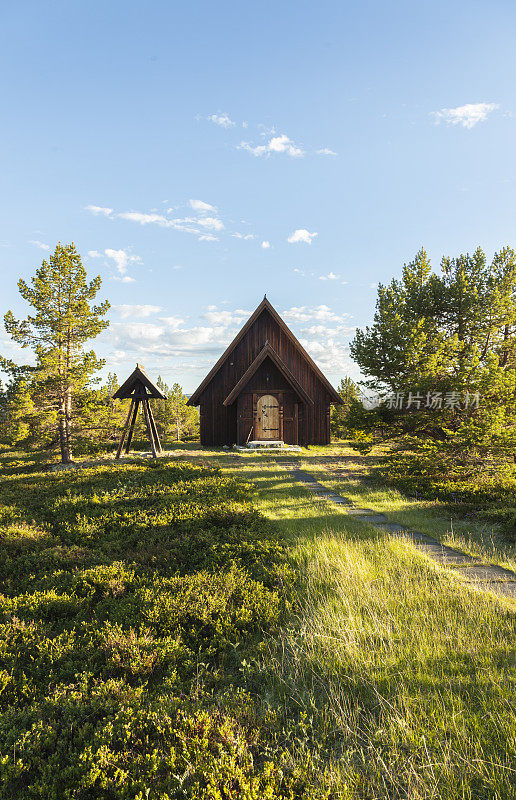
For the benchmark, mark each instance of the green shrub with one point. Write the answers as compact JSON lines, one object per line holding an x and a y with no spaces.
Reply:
{"x":430,"y":472}
{"x":132,"y":597}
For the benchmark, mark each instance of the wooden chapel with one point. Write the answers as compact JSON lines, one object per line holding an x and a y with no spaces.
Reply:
{"x":265,"y":387}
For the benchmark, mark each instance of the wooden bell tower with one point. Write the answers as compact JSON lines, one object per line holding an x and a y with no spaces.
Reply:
{"x":139,"y":388}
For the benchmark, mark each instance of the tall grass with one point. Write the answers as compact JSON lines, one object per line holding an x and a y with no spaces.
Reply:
{"x":405,"y":675}
{"x":160,"y":639}
{"x":452,"y":525}
{"x":408,"y":674}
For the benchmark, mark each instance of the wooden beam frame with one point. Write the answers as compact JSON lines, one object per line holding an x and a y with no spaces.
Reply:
{"x":130,"y":423}
{"x":267,"y":351}
{"x":140,"y":381}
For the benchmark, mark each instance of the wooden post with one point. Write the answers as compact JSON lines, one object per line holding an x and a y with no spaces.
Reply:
{"x":149,"y":428}
{"x":131,"y":426}
{"x":124,"y":431}
{"x":154,"y":429}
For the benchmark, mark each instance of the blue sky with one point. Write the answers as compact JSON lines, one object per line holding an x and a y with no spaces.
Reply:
{"x":201,"y":154}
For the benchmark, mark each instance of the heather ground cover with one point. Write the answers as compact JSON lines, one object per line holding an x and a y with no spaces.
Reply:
{"x":203,"y":627}
{"x":132,"y":599}
{"x":407,"y":674}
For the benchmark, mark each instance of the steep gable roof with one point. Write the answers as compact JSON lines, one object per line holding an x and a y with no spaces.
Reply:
{"x":264,"y":305}
{"x":267,"y":351}
{"x":138,"y":376}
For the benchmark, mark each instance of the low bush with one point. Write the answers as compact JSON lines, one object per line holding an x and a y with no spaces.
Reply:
{"x":132,"y":597}
{"x":486,"y":491}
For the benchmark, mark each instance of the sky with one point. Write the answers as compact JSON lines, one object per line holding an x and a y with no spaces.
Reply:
{"x":203,"y":154}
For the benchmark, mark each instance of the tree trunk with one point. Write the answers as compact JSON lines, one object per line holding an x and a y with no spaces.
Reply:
{"x":68,"y":419}
{"x":505,"y":357}
{"x":64,"y":440}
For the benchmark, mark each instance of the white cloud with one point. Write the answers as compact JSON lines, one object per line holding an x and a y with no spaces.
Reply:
{"x":331,"y":276}
{"x":317,"y":330}
{"x":204,"y":224}
{"x":325,"y":151}
{"x":331,"y":355}
{"x":122,"y":259}
{"x":301,"y":235}
{"x":282,"y":144}
{"x":41,"y":245}
{"x":170,"y":339}
{"x":177,"y":266}
{"x":213,"y":223}
{"x":468,"y":115}
{"x":202,"y":207}
{"x":326,"y":332}
{"x":186,"y":224}
{"x":174,"y":323}
{"x":265,"y":245}
{"x":321,"y":313}
{"x":137,"y":311}
{"x":221,"y":119}
{"x":227,"y":318}
{"x":198,"y":345}
{"x":267,"y":131}
{"x":277,"y":144}
{"x":143,"y":219}
{"x":146,"y":331}
{"x":100,"y":210}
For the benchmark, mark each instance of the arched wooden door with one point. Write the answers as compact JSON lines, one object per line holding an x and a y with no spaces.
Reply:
{"x":267,"y":417}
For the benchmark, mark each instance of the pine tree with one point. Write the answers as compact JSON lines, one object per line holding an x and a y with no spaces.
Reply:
{"x":111,"y":385}
{"x":179,"y":409}
{"x":404,"y":344}
{"x":62,"y":322}
{"x":452,"y":333}
{"x":21,"y":412}
{"x":349,"y":392}
{"x":3,"y":412}
{"x":172,"y":415}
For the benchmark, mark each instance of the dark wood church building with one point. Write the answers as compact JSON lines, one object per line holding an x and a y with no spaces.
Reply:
{"x":265,"y":387}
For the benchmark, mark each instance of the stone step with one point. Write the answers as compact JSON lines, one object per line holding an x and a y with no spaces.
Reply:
{"x":486,"y":572}
{"x":268,"y":446}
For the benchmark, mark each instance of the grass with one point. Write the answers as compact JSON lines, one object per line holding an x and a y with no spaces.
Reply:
{"x":346,"y":664}
{"x":406,"y":674}
{"x":490,"y":541}
{"x":132,"y":598}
